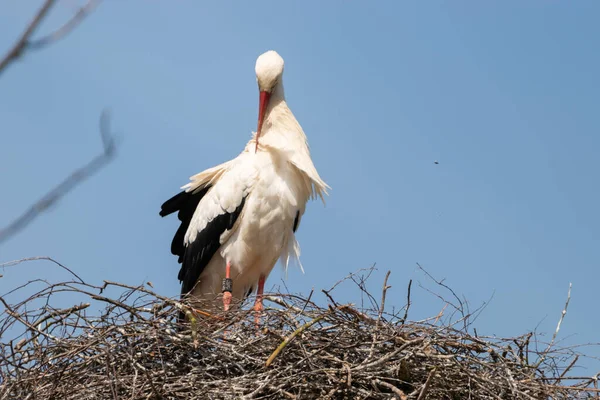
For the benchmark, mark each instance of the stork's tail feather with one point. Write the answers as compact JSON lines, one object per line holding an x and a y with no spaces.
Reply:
{"x":291,"y":252}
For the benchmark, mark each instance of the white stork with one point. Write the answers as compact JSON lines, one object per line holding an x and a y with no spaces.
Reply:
{"x":239,"y":218}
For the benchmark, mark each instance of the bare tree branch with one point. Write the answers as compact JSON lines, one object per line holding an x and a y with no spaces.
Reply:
{"x":24,"y":43}
{"x":76,"y":178}
{"x":67,"y":28}
{"x":21,"y":44}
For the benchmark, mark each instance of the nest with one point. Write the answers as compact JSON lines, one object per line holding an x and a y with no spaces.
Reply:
{"x":132,"y":348}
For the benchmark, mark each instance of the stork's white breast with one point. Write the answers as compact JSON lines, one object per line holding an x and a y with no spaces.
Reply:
{"x":266,"y":222}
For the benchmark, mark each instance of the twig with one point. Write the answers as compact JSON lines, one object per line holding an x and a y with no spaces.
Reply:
{"x":22,"y":42}
{"x":571,"y":364}
{"x":256,"y":391}
{"x":389,"y":355}
{"x":425,"y":387}
{"x":67,"y":28}
{"x":298,"y":331}
{"x":379,"y":314}
{"x":401,"y":395}
{"x":25,"y":44}
{"x":66,"y":311}
{"x":407,"y":302}
{"x":326,"y":292}
{"x":73,"y":180}
{"x":562,"y":317}
{"x":383,"y":293}
{"x":111,"y":380}
{"x":442,"y":284}
{"x":37,"y":258}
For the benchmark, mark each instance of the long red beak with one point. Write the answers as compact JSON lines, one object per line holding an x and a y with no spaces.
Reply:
{"x":262,"y":107}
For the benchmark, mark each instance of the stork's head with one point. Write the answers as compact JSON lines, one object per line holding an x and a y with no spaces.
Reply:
{"x":269,"y":69}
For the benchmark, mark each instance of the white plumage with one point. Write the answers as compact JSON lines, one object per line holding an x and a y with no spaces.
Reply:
{"x":250,"y":205}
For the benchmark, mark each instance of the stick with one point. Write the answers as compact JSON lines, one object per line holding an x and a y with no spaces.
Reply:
{"x":407,"y":302}
{"x":562,"y":317}
{"x":425,"y":387}
{"x":298,"y":331}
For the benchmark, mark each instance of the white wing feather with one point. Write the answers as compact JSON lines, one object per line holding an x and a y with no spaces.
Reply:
{"x":208,"y":176}
{"x":231,"y":182}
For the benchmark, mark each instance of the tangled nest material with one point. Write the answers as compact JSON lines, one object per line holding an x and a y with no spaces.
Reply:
{"x":132,"y":348}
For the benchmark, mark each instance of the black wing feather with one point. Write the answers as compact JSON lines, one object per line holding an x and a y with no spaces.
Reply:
{"x":196,"y":256}
{"x":199,"y":253}
{"x":186,"y":203}
{"x":296,"y":221}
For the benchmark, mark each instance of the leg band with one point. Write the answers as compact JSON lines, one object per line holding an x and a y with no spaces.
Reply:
{"x":227,"y":285}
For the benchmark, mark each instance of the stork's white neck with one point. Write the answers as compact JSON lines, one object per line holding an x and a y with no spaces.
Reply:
{"x":277,"y":94}
{"x":282,"y":135}
{"x":277,"y":111}
{"x":279,"y":119}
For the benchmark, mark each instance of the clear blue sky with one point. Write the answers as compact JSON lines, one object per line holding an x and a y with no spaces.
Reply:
{"x":503,"y":94}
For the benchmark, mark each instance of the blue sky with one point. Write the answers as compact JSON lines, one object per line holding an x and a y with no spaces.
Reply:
{"x":503,"y":94}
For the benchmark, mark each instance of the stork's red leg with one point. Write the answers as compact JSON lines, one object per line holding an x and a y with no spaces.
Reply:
{"x":258,"y":304}
{"x":227,"y":287}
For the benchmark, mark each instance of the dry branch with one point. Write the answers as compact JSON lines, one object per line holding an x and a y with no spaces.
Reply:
{"x":68,"y":184}
{"x":25,"y":43}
